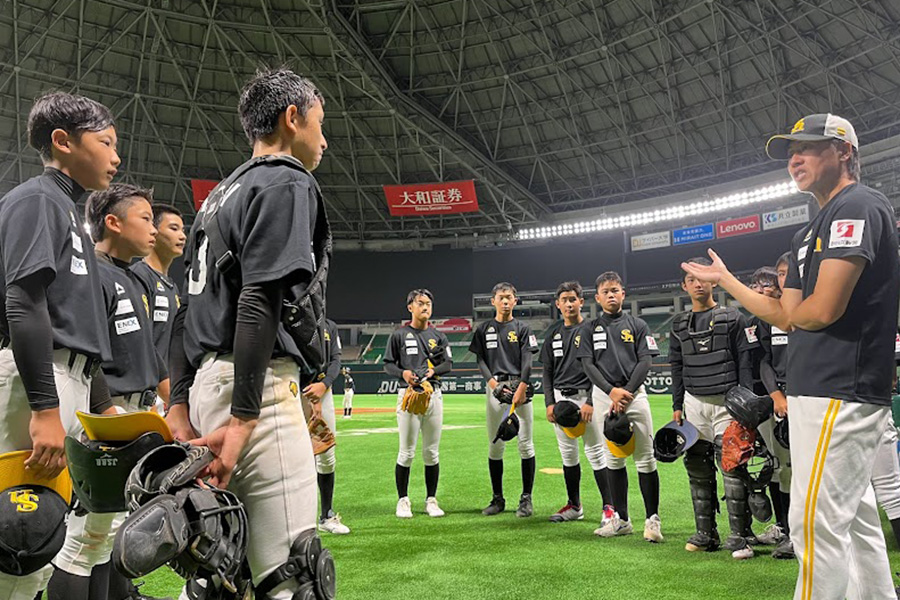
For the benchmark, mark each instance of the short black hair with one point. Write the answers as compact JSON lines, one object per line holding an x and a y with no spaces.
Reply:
{"x":269,"y":94}
{"x":569,"y":286}
{"x":700,"y":260}
{"x":783,"y":259}
{"x":411,"y":297}
{"x":504,"y":286}
{"x":160,"y":210}
{"x":69,"y":112}
{"x":114,"y":200}
{"x":607,"y":277}
{"x":765,"y":275}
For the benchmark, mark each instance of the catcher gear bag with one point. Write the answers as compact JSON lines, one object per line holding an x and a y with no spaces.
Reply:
{"x":619,"y":434}
{"x":737,"y":446}
{"x":782,"y":433}
{"x":747,"y":408}
{"x":509,"y":426}
{"x":164,"y":470}
{"x":100,"y":470}
{"x":321,"y":435}
{"x":673,"y":440}
{"x":417,"y":398}
{"x":310,"y":565}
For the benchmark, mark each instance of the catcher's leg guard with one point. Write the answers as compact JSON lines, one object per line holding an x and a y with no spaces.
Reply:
{"x":310,"y":565}
{"x":736,"y":498}
{"x":701,"y":468}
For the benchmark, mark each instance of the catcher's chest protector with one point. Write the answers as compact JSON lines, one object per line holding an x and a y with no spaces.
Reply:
{"x":710,"y":367}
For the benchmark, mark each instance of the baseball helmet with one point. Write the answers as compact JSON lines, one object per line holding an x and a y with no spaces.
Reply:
{"x":747,"y":408}
{"x":673,"y":440}
{"x":619,"y":434}
{"x":782,"y":433}
{"x":509,"y":426}
{"x":567,"y":415}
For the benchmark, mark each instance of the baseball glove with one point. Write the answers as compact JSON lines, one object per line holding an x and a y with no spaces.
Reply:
{"x":322,"y":437}
{"x":737,"y":446}
{"x":504,"y":392}
{"x":417,"y":398}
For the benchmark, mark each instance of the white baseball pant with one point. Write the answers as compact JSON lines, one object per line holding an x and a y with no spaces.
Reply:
{"x":348,"y":399}
{"x":707,"y":414}
{"x":835,"y":526}
{"x":594,"y":443}
{"x":495,"y":413}
{"x":783,"y":471}
{"x":428,"y":424}
{"x":886,"y":473}
{"x":73,"y":389}
{"x":638,"y":412}
{"x":275,"y":476}
{"x":325,"y":462}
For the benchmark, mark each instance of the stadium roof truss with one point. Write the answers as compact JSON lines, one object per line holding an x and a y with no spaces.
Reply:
{"x":552,"y":106}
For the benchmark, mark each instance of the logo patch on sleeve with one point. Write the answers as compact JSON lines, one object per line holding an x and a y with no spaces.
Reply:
{"x":532,"y":341}
{"x":651,"y":343}
{"x":750,"y":332}
{"x":846,"y":233}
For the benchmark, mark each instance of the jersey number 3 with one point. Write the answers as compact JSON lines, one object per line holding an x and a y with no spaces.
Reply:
{"x":197,"y":280}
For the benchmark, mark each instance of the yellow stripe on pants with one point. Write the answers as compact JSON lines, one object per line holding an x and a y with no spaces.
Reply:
{"x":812,"y":494}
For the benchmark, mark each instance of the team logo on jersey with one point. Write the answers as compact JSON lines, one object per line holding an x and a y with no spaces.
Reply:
{"x":177,"y":301}
{"x":818,"y":247}
{"x":627,"y":336}
{"x":327,"y":336}
{"x":651,"y":343}
{"x":25,"y":500}
{"x":119,"y":288}
{"x":558,"y":336}
{"x":146,"y":304}
{"x":750,"y":332}
{"x":846,"y":233}
{"x":159,"y":287}
{"x":295,"y":389}
{"x":512,"y":337}
{"x":808,"y":236}
{"x":432,"y":343}
{"x":490,"y":329}
{"x":598,"y":328}
{"x":409,"y":335}
{"x":577,"y":340}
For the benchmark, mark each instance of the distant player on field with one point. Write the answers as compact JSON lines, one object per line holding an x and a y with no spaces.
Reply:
{"x":349,"y":388}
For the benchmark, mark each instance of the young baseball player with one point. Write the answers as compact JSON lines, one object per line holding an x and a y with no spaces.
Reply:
{"x":505,"y":348}
{"x":842,"y":288}
{"x":320,"y":394}
{"x":121,"y":223}
{"x":564,"y":380}
{"x":617,"y":360}
{"x":248,"y":253}
{"x":53,"y":333}
{"x":349,"y":386}
{"x":772,"y":368}
{"x":711,"y":350}
{"x":417,"y":353}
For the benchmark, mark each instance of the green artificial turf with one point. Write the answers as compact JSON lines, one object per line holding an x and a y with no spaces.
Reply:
{"x":467,"y":556}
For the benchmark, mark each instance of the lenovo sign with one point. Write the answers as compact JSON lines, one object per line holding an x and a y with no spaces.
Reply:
{"x":740,"y":226}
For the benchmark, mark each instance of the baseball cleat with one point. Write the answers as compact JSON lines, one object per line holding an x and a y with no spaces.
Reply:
{"x":497,"y":506}
{"x":608,"y":514}
{"x":136,"y":594}
{"x":404,"y":508}
{"x":784,"y":549}
{"x":569,"y":512}
{"x":332,"y":524}
{"x":526,"y":508}
{"x":615,"y":527}
{"x":703,"y":542}
{"x":739,"y":547}
{"x":432,"y":508}
{"x":653,"y":530}
{"x":771,"y":536}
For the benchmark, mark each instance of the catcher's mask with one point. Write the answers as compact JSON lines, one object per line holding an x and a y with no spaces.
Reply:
{"x":747,"y":408}
{"x":782,"y":433}
{"x":509,"y":426}
{"x":673,"y":440}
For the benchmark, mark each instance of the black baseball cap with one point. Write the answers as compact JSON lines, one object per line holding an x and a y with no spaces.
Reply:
{"x":812,"y":128}
{"x":32,"y":528}
{"x":509,"y":426}
{"x":567,"y":415}
{"x":619,"y":434}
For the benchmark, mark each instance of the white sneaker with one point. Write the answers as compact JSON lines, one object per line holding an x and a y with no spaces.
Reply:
{"x":333,"y":524}
{"x":432,"y":508}
{"x":653,"y":530}
{"x":404,"y":508}
{"x":743,"y":553}
{"x":771,"y":536}
{"x":615,"y":527}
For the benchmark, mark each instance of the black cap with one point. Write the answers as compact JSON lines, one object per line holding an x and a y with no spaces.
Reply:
{"x":509,"y":427}
{"x":619,"y":434}
{"x":812,"y":128}
{"x":566,"y":414}
{"x":32,"y":528}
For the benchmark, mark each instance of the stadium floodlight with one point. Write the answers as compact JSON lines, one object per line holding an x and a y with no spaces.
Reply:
{"x":668,"y":213}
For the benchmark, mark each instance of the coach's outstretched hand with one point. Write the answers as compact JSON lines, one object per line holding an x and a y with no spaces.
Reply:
{"x":711,"y":273}
{"x":179,"y":422}
{"x":48,"y":457}
{"x":226,"y":443}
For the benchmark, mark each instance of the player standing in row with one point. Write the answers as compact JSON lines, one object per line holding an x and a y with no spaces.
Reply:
{"x":53,"y":333}
{"x":505,"y":348}
{"x":418,"y":353}
{"x":319,"y":393}
{"x":121,"y":223}
{"x":711,"y":350}
{"x":886,"y":470}
{"x":772,"y":374}
{"x":349,"y":387}
{"x":840,"y":304}
{"x":617,"y":359}
{"x":256,"y":244}
{"x":567,"y":395}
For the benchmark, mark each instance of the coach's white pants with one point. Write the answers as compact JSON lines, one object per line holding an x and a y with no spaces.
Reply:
{"x":594,"y":443}
{"x":326,"y":461}
{"x":707,"y":414}
{"x":886,"y":473}
{"x":275,"y":476}
{"x":638,"y":411}
{"x":428,"y":424}
{"x":73,"y":389}
{"x":348,"y":398}
{"x":834,"y":521}
{"x":783,"y":471}
{"x":495,"y":413}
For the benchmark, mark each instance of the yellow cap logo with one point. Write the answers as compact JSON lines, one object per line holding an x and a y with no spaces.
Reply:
{"x":798,"y":126}
{"x":25,"y":500}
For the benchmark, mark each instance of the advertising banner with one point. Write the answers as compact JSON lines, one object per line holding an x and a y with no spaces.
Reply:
{"x":735,"y":227}
{"x":427,"y":199}
{"x":660,"y":239}
{"x":785,"y":217}
{"x":201,"y":189}
{"x":690,"y":235}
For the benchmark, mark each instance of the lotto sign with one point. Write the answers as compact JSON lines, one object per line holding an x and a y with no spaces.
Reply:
{"x":796,"y":215}
{"x":661,"y":239}
{"x":201,"y":189}
{"x":740,"y":226}
{"x":689,"y":235}
{"x":431,"y":198}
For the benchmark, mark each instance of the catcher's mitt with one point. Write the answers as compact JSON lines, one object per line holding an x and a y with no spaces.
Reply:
{"x":504,"y":392}
{"x":321,"y":435}
{"x":737,"y":446}
{"x":417,"y":398}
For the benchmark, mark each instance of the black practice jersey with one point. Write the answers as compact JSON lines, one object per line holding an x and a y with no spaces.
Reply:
{"x":267,"y":219}
{"x":853,"y":358}
{"x":134,"y":366}
{"x":332,"y":352}
{"x":348,"y":383}
{"x":40,"y":233}
{"x":409,"y":348}
{"x":773,"y":344}
{"x":616,"y":344}
{"x":560,"y":356}
{"x":500,"y":346}
{"x":164,"y":303}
